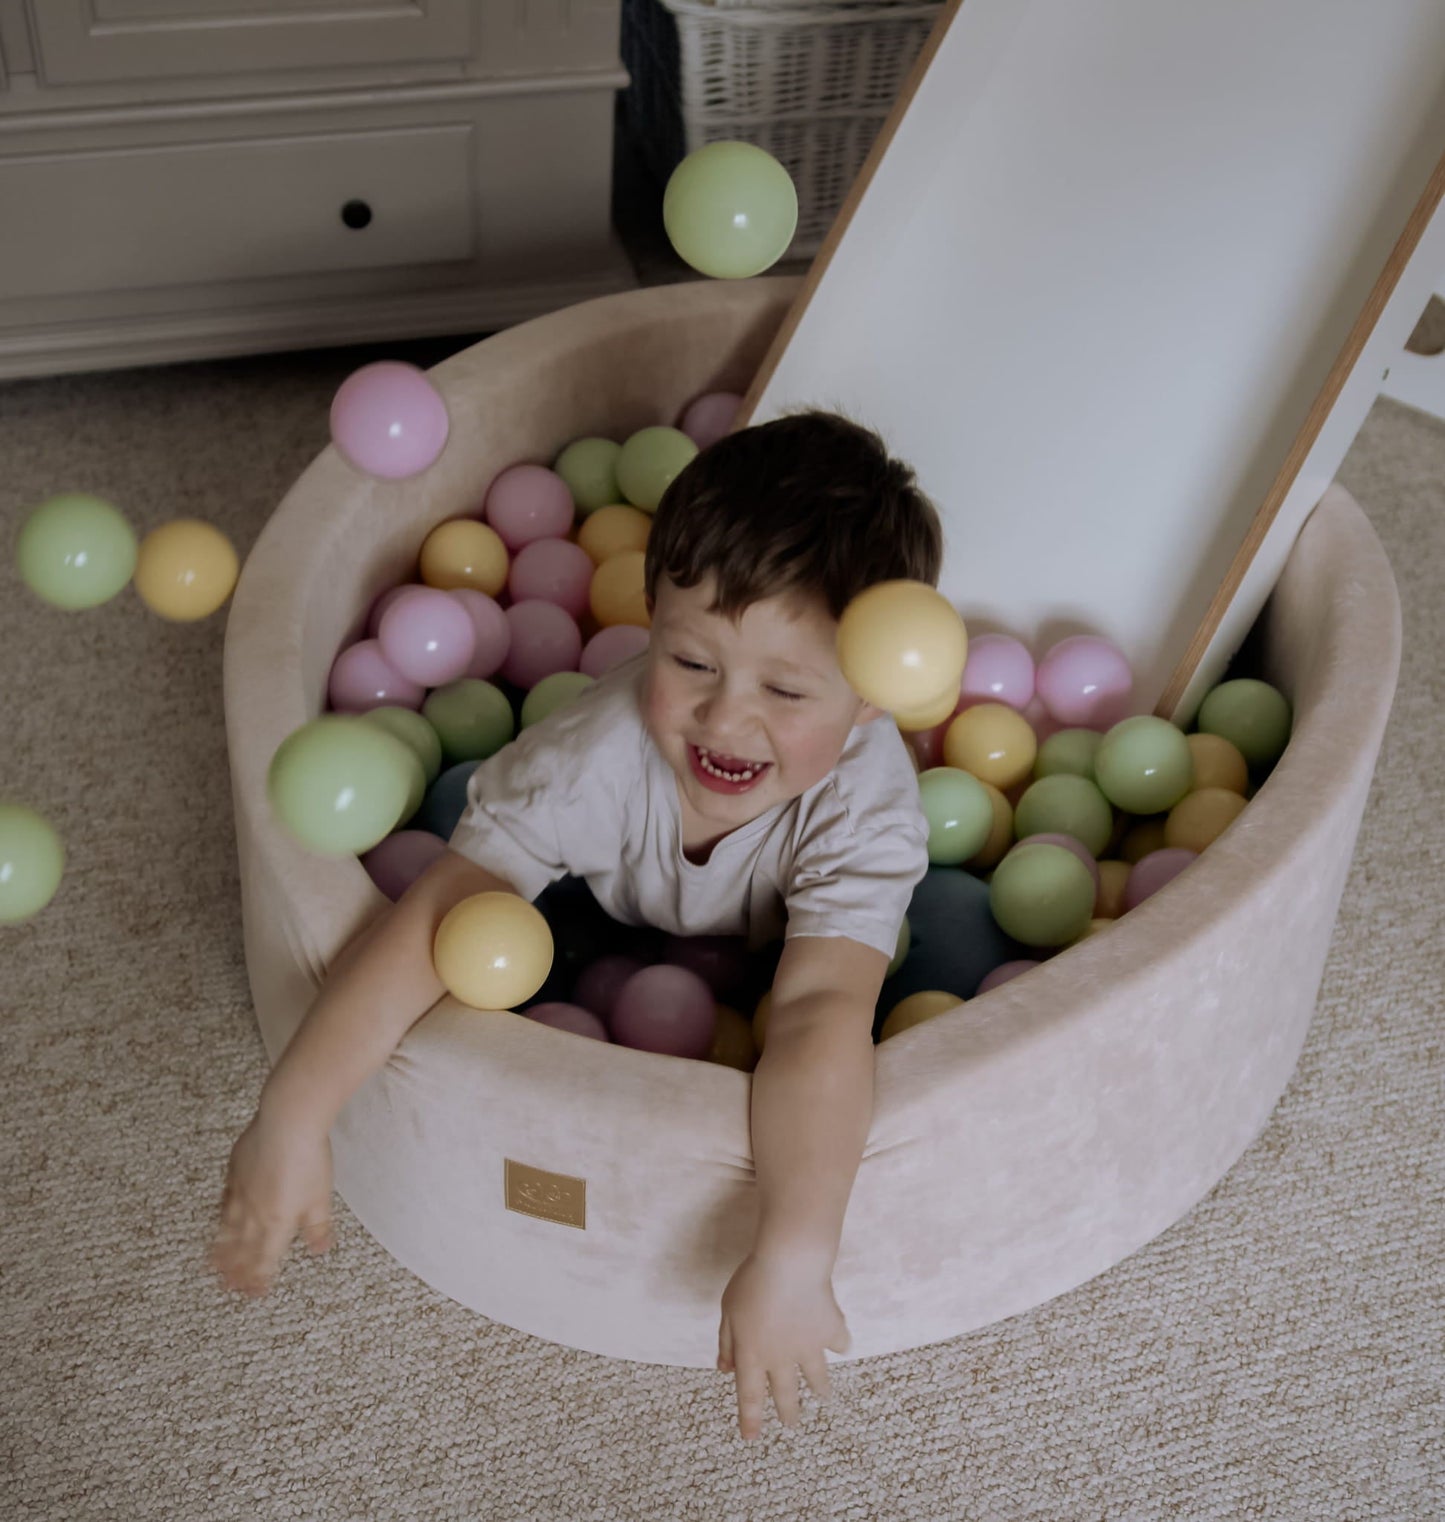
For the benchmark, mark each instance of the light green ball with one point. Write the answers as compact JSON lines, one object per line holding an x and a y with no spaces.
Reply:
{"x":730,"y":210}
{"x":651,"y":460}
{"x":1042,"y":895}
{"x":413,"y":730}
{"x":76,"y":551}
{"x":339,"y":785}
{"x":1251,"y":715}
{"x":31,"y":862}
{"x":959,"y":813}
{"x":589,"y":467}
{"x":472,"y":718}
{"x":1144,"y":765}
{"x":1068,"y":752}
{"x":551,"y":693}
{"x":1065,"y":805}
{"x":905,"y":940}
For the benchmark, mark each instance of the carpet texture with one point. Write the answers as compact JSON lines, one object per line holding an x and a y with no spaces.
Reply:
{"x":1276,"y":1354}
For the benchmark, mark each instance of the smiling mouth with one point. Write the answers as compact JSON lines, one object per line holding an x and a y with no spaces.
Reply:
{"x":725,"y":774}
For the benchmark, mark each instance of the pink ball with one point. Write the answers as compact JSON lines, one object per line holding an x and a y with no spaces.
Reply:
{"x":489,"y":624}
{"x":928,"y":743}
{"x":554,"y":570}
{"x":362,"y":678}
{"x":1151,"y":872}
{"x":1041,"y":721}
{"x":599,"y":983}
{"x":999,"y":669}
{"x":528,"y":502}
{"x":396,"y":863}
{"x":428,"y":636}
{"x":1069,"y":843}
{"x":568,"y":1017}
{"x":1003,"y":972}
{"x":382,"y":603}
{"x":721,"y":961}
{"x":707,"y":418}
{"x":389,"y":420}
{"x":665,"y":1009}
{"x":1085,"y":681}
{"x":610,"y":647}
{"x":545,"y":638}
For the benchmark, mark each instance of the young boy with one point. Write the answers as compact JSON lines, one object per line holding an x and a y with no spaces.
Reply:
{"x":727,"y":782}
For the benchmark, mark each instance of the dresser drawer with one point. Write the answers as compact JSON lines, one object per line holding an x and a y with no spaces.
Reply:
{"x":128,"y":218}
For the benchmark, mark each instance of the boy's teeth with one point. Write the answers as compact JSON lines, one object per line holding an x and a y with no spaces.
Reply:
{"x":749,"y":771}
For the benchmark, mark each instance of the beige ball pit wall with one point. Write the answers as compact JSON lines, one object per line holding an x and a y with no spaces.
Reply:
{"x":1021,"y":1144}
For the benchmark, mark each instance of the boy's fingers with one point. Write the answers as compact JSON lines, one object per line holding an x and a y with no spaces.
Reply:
{"x":725,"y":1346}
{"x":752,"y":1397}
{"x":784,"y":1380}
{"x":317,"y":1235}
{"x":815,"y":1371}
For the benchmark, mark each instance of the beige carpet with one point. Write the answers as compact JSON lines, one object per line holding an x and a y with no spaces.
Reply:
{"x":1278,"y":1354}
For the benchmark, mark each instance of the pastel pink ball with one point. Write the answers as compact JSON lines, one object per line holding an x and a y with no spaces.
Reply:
{"x":489,"y":624}
{"x":396,"y":862}
{"x":708,"y":418}
{"x":1040,"y":720}
{"x":928,"y":743}
{"x":1151,"y":872}
{"x":665,"y":1009}
{"x":362,"y":678}
{"x":545,"y":638}
{"x":389,"y":420}
{"x":568,"y":1017}
{"x":554,"y":570}
{"x":610,"y":647}
{"x":528,"y":502}
{"x":382,"y":603}
{"x":1085,"y":681}
{"x":599,"y":983}
{"x":428,"y":636}
{"x":999,"y":669}
{"x":1003,"y":972}
{"x":721,"y":961}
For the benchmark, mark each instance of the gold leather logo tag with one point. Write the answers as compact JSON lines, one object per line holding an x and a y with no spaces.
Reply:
{"x":548,"y":1196}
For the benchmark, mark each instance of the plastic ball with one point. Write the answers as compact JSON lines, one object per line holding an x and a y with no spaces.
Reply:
{"x":552,"y":570}
{"x":1042,"y":895}
{"x":927,"y":1004}
{"x":1201,"y":817}
{"x":464,"y":553}
{"x":185,"y":569}
{"x":902,"y":647}
{"x":528,"y":502}
{"x":551,"y":693}
{"x":721,"y":961}
{"x":571,"y":1018}
{"x":428,"y":636}
{"x":611,"y":647}
{"x":388,"y":420}
{"x":1068,"y":751}
{"x":492,"y":950}
{"x":415,"y":731}
{"x":706,"y":419}
{"x":665,"y":1009}
{"x":32,"y":860}
{"x":1218,"y":763}
{"x":362,"y":678}
{"x":1113,"y":878}
{"x":650,"y":461}
{"x":730,"y":210}
{"x":1143,"y":765}
{"x":75,"y":551}
{"x":339,"y":785}
{"x":1253,"y":716}
{"x":589,"y":467}
{"x":959,"y":814}
{"x":931,"y":717}
{"x":999,"y":669}
{"x":612,"y":530}
{"x":901,"y":947}
{"x":991,"y":742}
{"x":1069,"y":843}
{"x":382,"y":603}
{"x":1153,"y":871}
{"x":395,"y":863}
{"x":545,"y":639}
{"x":1065,"y":805}
{"x":732,"y":1042}
{"x":472,"y":718}
{"x":927,"y":744}
{"x":489,"y":625}
{"x":1000,"y":832}
{"x":445,"y":801}
{"x":1140,"y":839}
{"x":618,"y":594}
{"x":1085,"y":680}
{"x":955,"y":938}
{"x":599,"y":983}
{"x":1007,"y":972}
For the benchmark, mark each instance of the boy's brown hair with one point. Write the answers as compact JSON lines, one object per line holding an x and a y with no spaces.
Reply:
{"x":811,"y":502}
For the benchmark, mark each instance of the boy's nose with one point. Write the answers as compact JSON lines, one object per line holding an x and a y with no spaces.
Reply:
{"x":724,"y":712}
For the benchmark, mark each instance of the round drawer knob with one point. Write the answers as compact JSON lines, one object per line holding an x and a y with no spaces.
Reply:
{"x":356,"y":214}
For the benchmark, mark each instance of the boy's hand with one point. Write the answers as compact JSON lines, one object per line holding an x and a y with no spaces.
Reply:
{"x":778,"y":1315}
{"x":278,"y":1185}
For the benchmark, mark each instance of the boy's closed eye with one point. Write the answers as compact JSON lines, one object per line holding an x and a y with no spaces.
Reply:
{"x":780,"y":692}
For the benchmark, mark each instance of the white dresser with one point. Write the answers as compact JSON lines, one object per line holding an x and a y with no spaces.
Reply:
{"x":190,"y":178}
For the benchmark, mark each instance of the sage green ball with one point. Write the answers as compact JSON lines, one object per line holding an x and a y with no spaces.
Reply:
{"x":472,"y":718}
{"x":1251,"y":715}
{"x":414,"y":731}
{"x":900,"y":950}
{"x":1065,"y":805}
{"x":1068,"y":752}
{"x":651,"y":460}
{"x":551,"y":693}
{"x":31,"y":862}
{"x":589,"y":467}
{"x":1042,"y":895}
{"x":1144,"y":765}
{"x":75,"y":551}
{"x":959,"y":811}
{"x":340,"y":785}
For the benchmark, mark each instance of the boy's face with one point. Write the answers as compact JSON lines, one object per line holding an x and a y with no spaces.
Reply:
{"x":748,"y":714}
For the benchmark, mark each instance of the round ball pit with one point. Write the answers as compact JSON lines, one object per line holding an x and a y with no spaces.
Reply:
{"x":1021,"y":1144}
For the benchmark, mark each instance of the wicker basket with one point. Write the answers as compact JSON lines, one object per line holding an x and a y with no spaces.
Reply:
{"x":812,"y":84}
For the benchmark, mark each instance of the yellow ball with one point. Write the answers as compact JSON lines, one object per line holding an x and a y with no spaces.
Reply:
{"x":928,"y":718}
{"x":1094,"y":926}
{"x":1201,"y":817}
{"x":185,"y":569}
{"x":732,"y":1043}
{"x":612,"y":531}
{"x":994,"y":742}
{"x":917,"y":1008}
{"x":464,"y":553}
{"x":1000,"y":833}
{"x":760,"y":1018}
{"x":1218,"y":763}
{"x":901,"y":647}
{"x":618,"y":594}
{"x":1140,"y":839}
{"x":493,"y":950}
{"x":1109,"y":901}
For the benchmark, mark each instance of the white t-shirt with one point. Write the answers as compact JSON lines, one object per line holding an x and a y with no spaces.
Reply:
{"x":586,"y":792}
